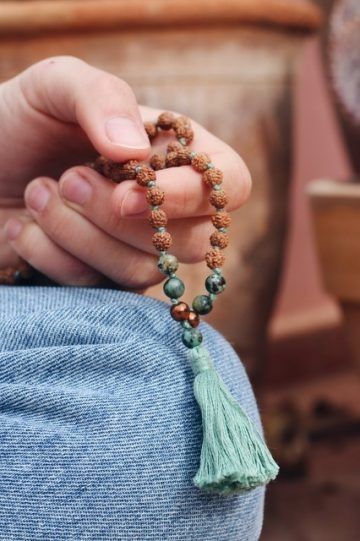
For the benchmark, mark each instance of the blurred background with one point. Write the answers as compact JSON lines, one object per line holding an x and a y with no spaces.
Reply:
{"x":279,"y":80}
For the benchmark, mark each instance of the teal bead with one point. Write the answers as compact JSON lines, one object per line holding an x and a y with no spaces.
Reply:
{"x":174,"y":288}
{"x":215,"y":284}
{"x":202,"y":304}
{"x":168,"y":264}
{"x":191,"y":338}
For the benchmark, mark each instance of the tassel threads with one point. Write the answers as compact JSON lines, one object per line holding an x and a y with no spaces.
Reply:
{"x":234,"y":457}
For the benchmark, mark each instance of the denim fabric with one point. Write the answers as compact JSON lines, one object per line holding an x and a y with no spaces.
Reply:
{"x":100,"y":434}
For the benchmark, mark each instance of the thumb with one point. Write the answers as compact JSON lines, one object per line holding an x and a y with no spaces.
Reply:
{"x":104,"y":106}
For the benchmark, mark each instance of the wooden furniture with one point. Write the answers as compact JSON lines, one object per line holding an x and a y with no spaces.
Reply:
{"x":229,"y":65}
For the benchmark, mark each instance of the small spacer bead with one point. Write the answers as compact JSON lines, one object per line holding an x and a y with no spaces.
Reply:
{"x":161,"y":229}
{"x":219,"y":239}
{"x":212,"y":177}
{"x":145,"y":175}
{"x":151,"y":184}
{"x":210,"y":165}
{"x":162,"y":240}
{"x":214,"y":258}
{"x":155,"y":196}
{"x":166,"y":120}
{"x":157,"y":218}
{"x":221,"y":219}
{"x":183,"y":130}
{"x":200,"y":162}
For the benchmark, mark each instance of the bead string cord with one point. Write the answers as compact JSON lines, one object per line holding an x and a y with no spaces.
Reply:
{"x":179,"y":153}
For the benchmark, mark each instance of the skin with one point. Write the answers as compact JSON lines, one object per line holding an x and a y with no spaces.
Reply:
{"x":66,"y":220}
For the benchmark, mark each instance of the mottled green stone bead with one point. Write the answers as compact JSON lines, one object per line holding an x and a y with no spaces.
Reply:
{"x":202,"y":304}
{"x":191,"y":338}
{"x":174,"y":288}
{"x":215,"y":283}
{"x":168,"y":264}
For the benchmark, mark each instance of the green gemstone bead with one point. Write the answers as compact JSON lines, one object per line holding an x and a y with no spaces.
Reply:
{"x":215,"y":284}
{"x":191,"y":338}
{"x":202,"y":304}
{"x":174,"y":288}
{"x":168,"y":264}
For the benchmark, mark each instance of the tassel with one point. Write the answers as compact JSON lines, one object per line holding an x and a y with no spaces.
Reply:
{"x":234,"y":457}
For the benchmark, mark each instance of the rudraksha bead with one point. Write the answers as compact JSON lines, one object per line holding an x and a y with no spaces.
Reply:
{"x":157,"y":162}
{"x":177,"y":158}
{"x":166,"y":120}
{"x":183,"y":130}
{"x":218,"y":199}
{"x":145,"y":175}
{"x":158,"y":218}
{"x":155,"y":196}
{"x":221,"y":219}
{"x":174,"y":146}
{"x":162,"y":240}
{"x":200,"y":162}
{"x":219,"y":239}
{"x":214,"y":259}
{"x":109,"y":169}
{"x":180,"y":311}
{"x":211,"y":177}
{"x":150,"y":129}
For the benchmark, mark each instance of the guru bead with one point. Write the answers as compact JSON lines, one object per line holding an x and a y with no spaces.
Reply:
{"x":191,"y":338}
{"x":168,"y":264}
{"x":202,"y":304}
{"x":180,"y":311}
{"x":215,"y":283}
{"x":174,"y":288}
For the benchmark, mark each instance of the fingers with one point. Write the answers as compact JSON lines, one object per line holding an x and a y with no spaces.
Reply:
{"x":117,"y":260}
{"x":105,"y":107}
{"x":31,"y":243}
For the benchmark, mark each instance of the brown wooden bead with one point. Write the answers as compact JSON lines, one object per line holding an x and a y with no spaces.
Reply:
{"x":221,"y":219}
{"x":162,"y":241}
{"x":157,"y":218}
{"x":183,"y":129}
{"x":178,"y":157}
{"x":212,"y":176}
{"x":214,"y":259}
{"x":180,"y":311}
{"x":150,"y":129}
{"x":165,"y":120}
{"x":157,"y":162}
{"x":193,"y":319}
{"x":200,"y":162}
{"x":218,"y":199}
{"x":219,"y":239}
{"x":145,"y":175}
{"x":155,"y":196}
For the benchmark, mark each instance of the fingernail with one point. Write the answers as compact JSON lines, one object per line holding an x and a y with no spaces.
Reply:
{"x":13,"y":228}
{"x":134,"y":203}
{"x":125,"y":132}
{"x":75,"y":188}
{"x":37,"y":197}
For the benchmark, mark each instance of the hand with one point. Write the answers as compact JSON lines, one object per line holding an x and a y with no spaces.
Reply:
{"x":62,"y":112}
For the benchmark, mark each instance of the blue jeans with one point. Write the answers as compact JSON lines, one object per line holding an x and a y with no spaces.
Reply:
{"x":100,"y":434}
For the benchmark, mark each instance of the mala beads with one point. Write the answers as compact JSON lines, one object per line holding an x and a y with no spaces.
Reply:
{"x":179,"y":153}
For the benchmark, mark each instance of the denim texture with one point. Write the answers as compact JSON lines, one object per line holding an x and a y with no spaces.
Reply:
{"x":100,"y":434}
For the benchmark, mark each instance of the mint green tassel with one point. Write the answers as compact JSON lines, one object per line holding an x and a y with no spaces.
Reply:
{"x":234,"y":457}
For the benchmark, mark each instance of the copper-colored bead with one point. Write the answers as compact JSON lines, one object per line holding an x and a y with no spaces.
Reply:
{"x":155,"y":196}
{"x":145,"y":175}
{"x":157,"y":162}
{"x":150,"y":129}
{"x":200,"y":162}
{"x":212,"y":176}
{"x":178,"y":157}
{"x":180,"y":311}
{"x":165,"y":121}
{"x":221,"y":219}
{"x":214,"y":259}
{"x":183,"y":129}
{"x":157,"y":218}
{"x":162,"y":241}
{"x":219,"y":239}
{"x":193,"y":319}
{"x":218,"y":199}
